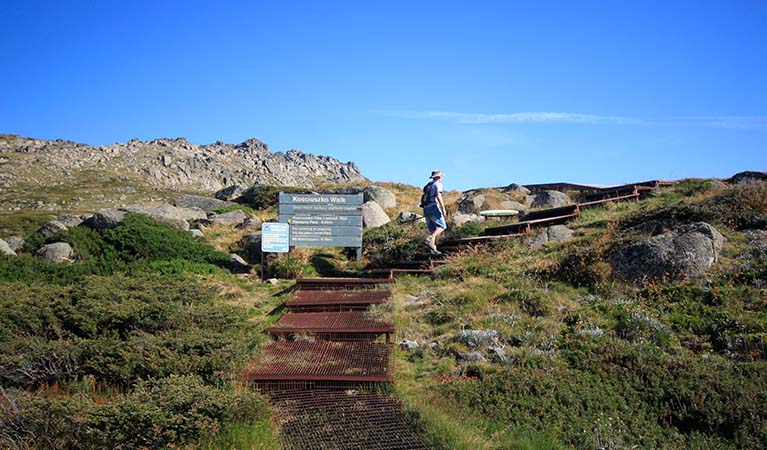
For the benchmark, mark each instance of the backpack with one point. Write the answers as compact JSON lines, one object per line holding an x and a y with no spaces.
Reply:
{"x":426,"y":196}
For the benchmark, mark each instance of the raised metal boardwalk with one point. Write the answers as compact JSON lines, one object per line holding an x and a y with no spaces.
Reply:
{"x":338,"y":325}
{"x":343,"y":420}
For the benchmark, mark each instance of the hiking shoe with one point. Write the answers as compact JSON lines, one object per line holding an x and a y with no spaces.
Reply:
{"x":428,"y":241}
{"x":435,"y":252}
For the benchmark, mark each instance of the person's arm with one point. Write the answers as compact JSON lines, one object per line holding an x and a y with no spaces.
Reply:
{"x":441,"y":204}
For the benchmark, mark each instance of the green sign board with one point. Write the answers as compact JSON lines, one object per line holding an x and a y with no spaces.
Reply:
{"x":323,"y":220}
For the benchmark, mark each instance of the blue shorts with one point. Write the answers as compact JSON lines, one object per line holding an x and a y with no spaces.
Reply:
{"x":434,"y":217}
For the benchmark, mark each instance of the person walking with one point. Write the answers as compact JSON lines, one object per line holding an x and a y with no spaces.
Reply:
{"x":434,"y":211}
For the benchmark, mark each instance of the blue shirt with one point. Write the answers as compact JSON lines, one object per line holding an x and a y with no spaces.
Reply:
{"x":436,"y":187}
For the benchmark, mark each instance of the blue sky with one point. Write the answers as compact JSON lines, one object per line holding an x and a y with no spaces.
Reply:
{"x":489,"y":92}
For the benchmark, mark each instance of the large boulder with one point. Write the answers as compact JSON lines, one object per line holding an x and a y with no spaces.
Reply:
{"x":748,"y":177}
{"x":373,"y":215}
{"x":58,"y":252}
{"x":106,"y":218}
{"x":380,"y":195}
{"x":550,"y":199}
{"x":235,"y":217}
{"x":51,"y":228}
{"x":230,"y":193}
{"x":472,"y":203}
{"x":6,"y":249}
{"x":685,"y":251}
{"x":554,"y":233}
{"x":16,"y":243}
{"x":206,"y":204}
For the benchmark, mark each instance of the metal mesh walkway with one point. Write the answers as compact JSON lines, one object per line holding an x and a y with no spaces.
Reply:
{"x":322,"y":361}
{"x":338,"y":325}
{"x":325,"y":420}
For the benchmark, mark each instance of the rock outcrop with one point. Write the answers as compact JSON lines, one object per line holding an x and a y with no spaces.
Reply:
{"x":748,"y":177}
{"x":162,"y":164}
{"x":685,"y":251}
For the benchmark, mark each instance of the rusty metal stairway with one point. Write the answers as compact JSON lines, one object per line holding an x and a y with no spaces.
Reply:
{"x":325,"y":371}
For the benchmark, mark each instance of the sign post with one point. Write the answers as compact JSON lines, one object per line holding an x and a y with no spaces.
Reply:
{"x":275,"y":238}
{"x":323,"y":220}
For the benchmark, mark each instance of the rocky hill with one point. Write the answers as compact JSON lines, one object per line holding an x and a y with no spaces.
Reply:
{"x":30,"y":165}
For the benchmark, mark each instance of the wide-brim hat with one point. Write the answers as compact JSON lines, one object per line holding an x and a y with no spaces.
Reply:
{"x":436,"y":174}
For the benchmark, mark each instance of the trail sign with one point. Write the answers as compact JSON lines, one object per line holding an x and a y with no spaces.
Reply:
{"x":323,"y":220}
{"x":275,"y":237}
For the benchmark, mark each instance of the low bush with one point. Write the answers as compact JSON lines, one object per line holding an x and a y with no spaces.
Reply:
{"x":628,"y":394}
{"x":118,"y":330}
{"x":165,"y":413}
{"x":135,"y":246}
{"x":263,"y":196}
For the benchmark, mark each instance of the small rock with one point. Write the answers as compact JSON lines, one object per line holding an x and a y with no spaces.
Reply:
{"x":409,"y":217}
{"x":476,"y":338}
{"x":16,"y":243}
{"x":499,"y":354}
{"x":249,"y":223}
{"x":473,"y":356}
{"x":432,"y":345}
{"x":58,"y":252}
{"x":408,"y":345}
{"x":237,"y":264}
{"x":5,"y":249}
{"x":273,"y":281}
{"x":51,"y":228}
{"x":197,"y":233}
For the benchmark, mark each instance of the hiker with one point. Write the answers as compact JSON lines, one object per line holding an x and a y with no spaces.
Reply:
{"x":434,"y":211}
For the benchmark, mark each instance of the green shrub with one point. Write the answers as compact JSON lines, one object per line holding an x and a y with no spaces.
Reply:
{"x":163,"y":413}
{"x":118,"y":330}
{"x":139,"y":244}
{"x":225,"y":209}
{"x":741,"y":207}
{"x":265,"y":197}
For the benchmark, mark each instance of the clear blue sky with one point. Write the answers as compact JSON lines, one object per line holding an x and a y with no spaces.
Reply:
{"x":490,"y":92}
